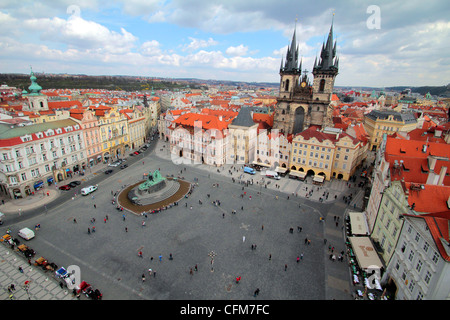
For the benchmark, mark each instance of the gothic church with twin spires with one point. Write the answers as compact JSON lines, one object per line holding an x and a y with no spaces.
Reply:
{"x":301,"y":104}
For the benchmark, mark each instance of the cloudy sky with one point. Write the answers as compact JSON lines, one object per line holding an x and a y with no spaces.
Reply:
{"x":379,"y":43}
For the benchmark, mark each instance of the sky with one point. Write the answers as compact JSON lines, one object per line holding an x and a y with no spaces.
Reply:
{"x":379,"y":43}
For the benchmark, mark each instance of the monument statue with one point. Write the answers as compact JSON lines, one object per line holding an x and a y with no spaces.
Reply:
{"x":153,"y":180}
{"x":155,"y":188}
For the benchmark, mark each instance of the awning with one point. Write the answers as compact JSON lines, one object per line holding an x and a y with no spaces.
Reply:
{"x":261,"y":164}
{"x":358,"y":223}
{"x":299,"y":174}
{"x":281,"y":170}
{"x":38,"y":184}
{"x":50,"y":179}
{"x":318,"y":178}
{"x":365,"y":253}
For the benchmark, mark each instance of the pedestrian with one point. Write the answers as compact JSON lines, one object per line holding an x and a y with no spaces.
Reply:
{"x":143,"y":277}
{"x":74,"y":220}
{"x":143,"y":223}
{"x":298,"y":259}
{"x":256,"y":292}
{"x":126,"y":229}
{"x":195,"y":268}
{"x":89,"y":231}
{"x":285,"y":267}
{"x":270,"y":256}
{"x":95,"y":206}
{"x":160,"y":258}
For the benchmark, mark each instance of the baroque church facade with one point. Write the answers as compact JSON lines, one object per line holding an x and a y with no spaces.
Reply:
{"x":300,"y":103}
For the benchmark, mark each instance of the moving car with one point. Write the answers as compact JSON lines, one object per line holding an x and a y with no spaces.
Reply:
{"x":26,"y":233}
{"x":109,"y":171}
{"x":66,"y":187}
{"x":87,"y":190}
{"x":123,"y":166}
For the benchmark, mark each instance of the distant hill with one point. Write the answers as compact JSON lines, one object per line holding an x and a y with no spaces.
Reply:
{"x":126,"y":83}
{"x":442,"y":91}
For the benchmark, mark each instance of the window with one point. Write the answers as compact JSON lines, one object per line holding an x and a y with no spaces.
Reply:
{"x":322,"y":85}
{"x":411,"y":255}
{"x":435,"y":257}
{"x":427,"y":277}
{"x":417,"y":238}
{"x":419,"y":266}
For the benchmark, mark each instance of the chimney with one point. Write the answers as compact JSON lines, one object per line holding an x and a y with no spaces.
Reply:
{"x":442,"y":176}
{"x":431,"y":162}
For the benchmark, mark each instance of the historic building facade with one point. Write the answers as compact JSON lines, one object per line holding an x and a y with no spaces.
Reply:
{"x":302,"y":104}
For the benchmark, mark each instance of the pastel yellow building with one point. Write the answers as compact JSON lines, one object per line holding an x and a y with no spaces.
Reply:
{"x":114,"y":134}
{"x":329,"y":153}
{"x":379,"y":122}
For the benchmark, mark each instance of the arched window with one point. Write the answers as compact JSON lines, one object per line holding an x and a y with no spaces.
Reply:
{"x":286,"y":87}
{"x":322,"y":85}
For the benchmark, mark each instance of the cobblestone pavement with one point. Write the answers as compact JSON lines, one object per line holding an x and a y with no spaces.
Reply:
{"x":110,"y":268}
{"x":41,"y":285}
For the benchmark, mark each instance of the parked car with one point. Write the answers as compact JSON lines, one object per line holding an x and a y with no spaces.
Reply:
{"x":114,"y":164}
{"x":73,"y":184}
{"x":109,"y":171}
{"x":137,"y":152}
{"x":66,"y":187}
{"x":123,"y":166}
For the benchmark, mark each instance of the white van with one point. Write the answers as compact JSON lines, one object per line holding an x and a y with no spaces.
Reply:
{"x":273,"y":174}
{"x":87,"y":190}
{"x":26,"y":233}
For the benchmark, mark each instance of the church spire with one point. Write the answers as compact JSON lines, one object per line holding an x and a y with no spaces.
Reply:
{"x":291,"y":62}
{"x":328,"y":60}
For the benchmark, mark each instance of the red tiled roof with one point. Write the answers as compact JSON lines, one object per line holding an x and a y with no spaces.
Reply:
{"x":207,"y":122}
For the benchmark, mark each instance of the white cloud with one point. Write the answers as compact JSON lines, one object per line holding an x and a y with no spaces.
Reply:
{"x":150,"y":48}
{"x":79,"y":33}
{"x":196,"y":44}
{"x":238,"y":51}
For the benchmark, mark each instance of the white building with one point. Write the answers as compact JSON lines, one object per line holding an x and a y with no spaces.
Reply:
{"x":420,"y":266}
{"x":34,"y":155}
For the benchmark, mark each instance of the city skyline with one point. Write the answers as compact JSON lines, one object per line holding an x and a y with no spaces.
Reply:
{"x":379,"y":44}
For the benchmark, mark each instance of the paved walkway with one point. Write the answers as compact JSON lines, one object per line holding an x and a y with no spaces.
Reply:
{"x":42,"y":285}
{"x":45,"y":287}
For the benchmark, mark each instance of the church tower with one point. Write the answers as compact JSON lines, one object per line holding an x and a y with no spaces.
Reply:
{"x":290,"y":72}
{"x":36,"y":100}
{"x":325,"y":70}
{"x":301,"y":104}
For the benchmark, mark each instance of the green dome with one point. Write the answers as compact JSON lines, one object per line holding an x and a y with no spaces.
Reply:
{"x":34,"y":87}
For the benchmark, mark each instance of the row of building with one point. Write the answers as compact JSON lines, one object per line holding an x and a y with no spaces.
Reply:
{"x":46,"y":137}
{"x":408,"y":212}
{"x":308,"y":131}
